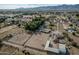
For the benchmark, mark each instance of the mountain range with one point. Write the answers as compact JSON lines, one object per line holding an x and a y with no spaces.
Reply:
{"x":47,"y":8}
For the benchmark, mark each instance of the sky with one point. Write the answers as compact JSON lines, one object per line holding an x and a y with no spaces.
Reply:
{"x":14,"y":6}
{"x":39,"y":1}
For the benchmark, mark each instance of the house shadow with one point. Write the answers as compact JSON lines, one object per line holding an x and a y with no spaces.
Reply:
{"x":51,"y":53}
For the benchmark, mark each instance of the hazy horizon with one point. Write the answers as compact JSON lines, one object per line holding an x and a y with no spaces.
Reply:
{"x":14,"y":6}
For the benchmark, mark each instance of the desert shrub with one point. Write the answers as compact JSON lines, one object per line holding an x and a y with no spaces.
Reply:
{"x":56,"y":41}
{"x":65,"y":34}
{"x":27,"y":53}
{"x":70,"y":39}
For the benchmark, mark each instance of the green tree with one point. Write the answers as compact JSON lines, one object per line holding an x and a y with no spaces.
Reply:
{"x":34,"y":24}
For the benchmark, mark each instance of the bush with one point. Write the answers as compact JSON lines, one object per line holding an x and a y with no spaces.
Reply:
{"x":73,"y":33}
{"x":26,"y":53}
{"x":56,"y":41}
{"x":71,"y":25}
{"x":70,"y":39}
{"x":77,"y":15}
{"x":65,"y":34}
{"x":75,"y":44}
{"x":77,"y":31}
{"x":51,"y":24}
{"x":2,"y":19}
{"x":19,"y":25}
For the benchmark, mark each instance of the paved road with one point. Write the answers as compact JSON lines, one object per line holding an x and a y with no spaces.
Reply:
{"x":60,"y":27}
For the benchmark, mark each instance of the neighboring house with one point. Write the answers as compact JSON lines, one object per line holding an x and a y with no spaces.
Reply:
{"x":77,"y":23}
{"x":45,"y":30}
{"x":71,"y":30}
{"x":27,"y":17}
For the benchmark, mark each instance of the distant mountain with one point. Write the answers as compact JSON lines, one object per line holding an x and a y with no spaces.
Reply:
{"x":46,"y":8}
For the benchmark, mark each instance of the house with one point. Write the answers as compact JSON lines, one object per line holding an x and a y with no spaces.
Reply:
{"x":62,"y":48}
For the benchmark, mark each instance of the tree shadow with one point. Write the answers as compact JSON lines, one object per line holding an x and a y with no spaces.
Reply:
{"x":1,"y":44}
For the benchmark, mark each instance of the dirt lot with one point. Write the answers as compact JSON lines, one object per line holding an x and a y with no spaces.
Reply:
{"x":74,"y":51}
{"x":7,"y":49}
{"x":20,"y":38}
{"x":14,"y":30}
{"x":37,"y":40}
